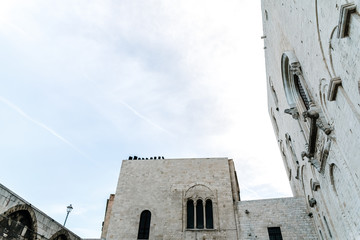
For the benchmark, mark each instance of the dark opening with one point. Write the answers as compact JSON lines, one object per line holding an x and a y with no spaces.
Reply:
{"x":301,"y":91}
{"x":15,"y":224}
{"x":209,"y":214}
{"x":199,"y":214}
{"x":144,"y":226}
{"x":61,"y":237}
{"x":274,"y":233}
{"x":190,"y":214}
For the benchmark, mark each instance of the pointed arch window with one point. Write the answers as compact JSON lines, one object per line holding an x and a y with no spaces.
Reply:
{"x":144,"y":225}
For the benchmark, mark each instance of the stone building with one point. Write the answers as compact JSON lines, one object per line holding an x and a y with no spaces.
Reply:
{"x":19,"y":220}
{"x":196,"y":199}
{"x":312,"y":52}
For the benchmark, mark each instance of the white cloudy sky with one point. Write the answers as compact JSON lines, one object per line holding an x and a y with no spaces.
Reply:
{"x":85,"y":84}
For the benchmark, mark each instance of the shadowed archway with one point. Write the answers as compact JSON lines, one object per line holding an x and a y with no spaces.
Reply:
{"x":19,"y":222}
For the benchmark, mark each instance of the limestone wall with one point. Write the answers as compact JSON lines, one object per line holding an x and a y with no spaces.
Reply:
{"x":290,"y":214}
{"x":162,"y":186}
{"x":330,"y":179}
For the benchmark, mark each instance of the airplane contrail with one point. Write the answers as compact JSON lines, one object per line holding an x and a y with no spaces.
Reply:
{"x":133,"y":110}
{"x":144,"y":118}
{"x":40,"y":124}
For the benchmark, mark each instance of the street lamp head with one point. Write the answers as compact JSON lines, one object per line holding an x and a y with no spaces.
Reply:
{"x":69,"y":208}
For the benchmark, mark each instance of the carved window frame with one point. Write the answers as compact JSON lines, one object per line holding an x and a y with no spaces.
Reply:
{"x":204,"y":223}
{"x":344,"y":19}
{"x":196,"y":193}
{"x":294,"y":83}
{"x":302,"y":108}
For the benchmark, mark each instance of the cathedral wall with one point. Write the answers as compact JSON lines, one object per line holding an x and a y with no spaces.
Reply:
{"x":329,"y":181}
{"x":290,"y":214}
{"x":163,"y":186}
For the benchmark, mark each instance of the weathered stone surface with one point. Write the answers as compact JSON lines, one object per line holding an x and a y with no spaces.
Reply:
{"x":290,"y":214}
{"x":309,"y":29}
{"x":164,"y":186}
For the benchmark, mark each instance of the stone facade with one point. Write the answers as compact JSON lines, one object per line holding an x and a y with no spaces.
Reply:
{"x":290,"y":214}
{"x":19,"y":220}
{"x":165,"y":186}
{"x":312,"y":53}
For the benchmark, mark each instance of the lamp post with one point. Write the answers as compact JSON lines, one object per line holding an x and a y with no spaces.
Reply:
{"x":68,"y":210}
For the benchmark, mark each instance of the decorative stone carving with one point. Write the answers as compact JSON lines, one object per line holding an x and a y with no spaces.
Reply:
{"x":293,"y":112}
{"x":344,"y":19}
{"x":199,"y":191}
{"x":315,"y":186}
{"x":297,"y":173}
{"x":319,"y":141}
{"x":312,"y":202}
{"x":313,"y":115}
{"x":323,"y":126}
{"x":333,"y":87}
{"x":322,"y":149}
{"x":323,"y":152}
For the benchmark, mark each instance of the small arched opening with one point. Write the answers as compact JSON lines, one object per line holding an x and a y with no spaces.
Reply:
{"x":144,"y":225}
{"x":209,"y":214}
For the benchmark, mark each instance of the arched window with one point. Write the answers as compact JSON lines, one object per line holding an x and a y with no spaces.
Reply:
{"x":144,"y":225}
{"x":295,"y":91}
{"x":209,"y":214}
{"x":199,"y":214}
{"x":199,"y":209}
{"x":303,"y":108}
{"x":190,"y":214}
